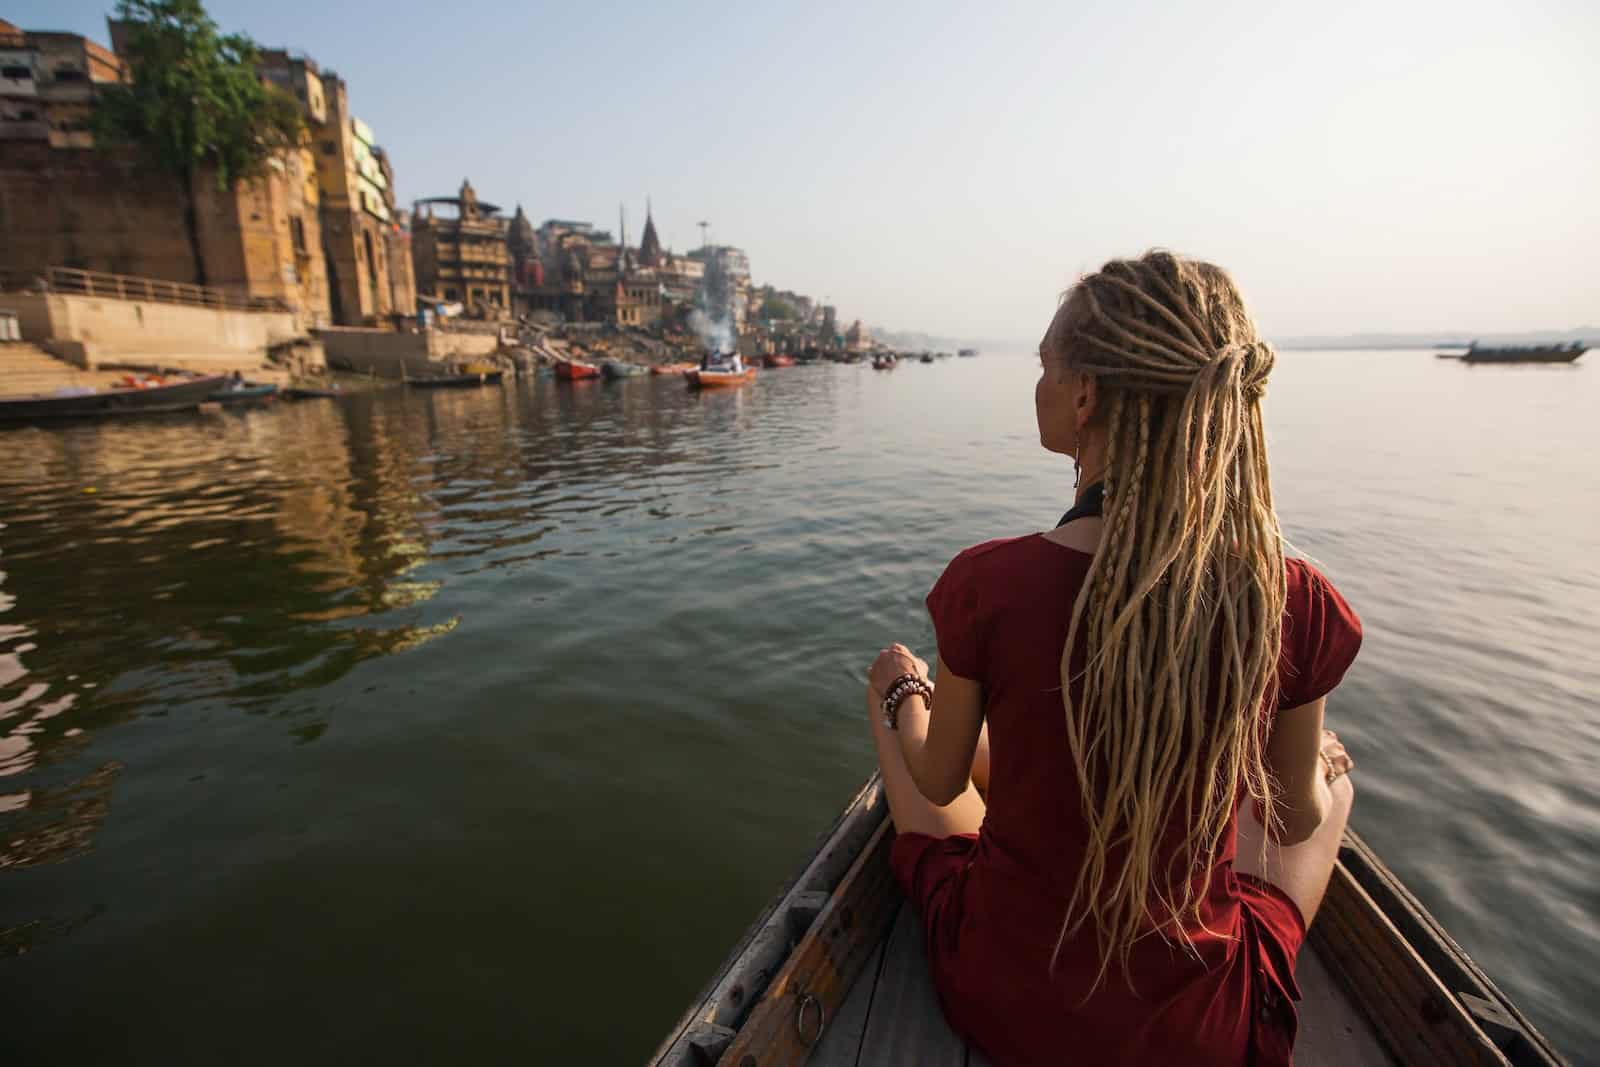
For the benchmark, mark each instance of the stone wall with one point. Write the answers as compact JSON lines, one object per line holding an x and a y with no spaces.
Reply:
{"x":93,"y":332}
{"x":388,"y":354}
{"x":110,"y":212}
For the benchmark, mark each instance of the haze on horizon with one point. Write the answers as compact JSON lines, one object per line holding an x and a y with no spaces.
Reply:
{"x":1373,"y":167}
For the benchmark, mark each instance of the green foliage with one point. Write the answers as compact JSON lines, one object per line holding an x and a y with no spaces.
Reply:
{"x":776,"y":308}
{"x":196,"y":100}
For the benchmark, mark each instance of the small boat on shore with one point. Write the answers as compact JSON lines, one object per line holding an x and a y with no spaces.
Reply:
{"x":457,"y":381}
{"x":672,"y":368}
{"x":833,"y":973}
{"x":574,"y":370}
{"x":967,"y":353}
{"x":159,"y":397}
{"x":1556,"y":353}
{"x":885,"y":363}
{"x":616,"y":368}
{"x":778,"y":361}
{"x":718,"y":379}
{"x":239,"y":394}
{"x":927,"y":357}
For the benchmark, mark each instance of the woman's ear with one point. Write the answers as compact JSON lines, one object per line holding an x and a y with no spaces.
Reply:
{"x":1084,"y":402}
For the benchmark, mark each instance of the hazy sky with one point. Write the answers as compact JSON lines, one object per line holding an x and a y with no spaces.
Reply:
{"x":1385,"y":165}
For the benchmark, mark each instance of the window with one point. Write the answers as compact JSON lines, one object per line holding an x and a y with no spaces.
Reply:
{"x":17,"y":73}
{"x":70,"y":74}
{"x":329,"y":148}
{"x":449,"y":293}
{"x":297,"y":233}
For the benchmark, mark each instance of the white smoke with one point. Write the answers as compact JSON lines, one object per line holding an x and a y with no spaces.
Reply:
{"x":715,"y":334}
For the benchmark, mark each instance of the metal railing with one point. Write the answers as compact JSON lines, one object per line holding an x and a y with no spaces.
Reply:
{"x":71,"y":280}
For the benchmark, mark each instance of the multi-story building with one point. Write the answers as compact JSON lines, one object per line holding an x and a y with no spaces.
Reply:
{"x":47,"y":85}
{"x":367,"y":278}
{"x":64,"y":202}
{"x":462,"y":256}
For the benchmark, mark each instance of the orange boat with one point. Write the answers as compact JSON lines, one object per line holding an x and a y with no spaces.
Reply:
{"x":672,"y":368}
{"x":572,"y":370}
{"x":712,"y":379}
{"x":779,"y":361}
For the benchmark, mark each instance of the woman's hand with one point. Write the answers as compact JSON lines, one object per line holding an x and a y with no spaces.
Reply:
{"x":891,"y":663}
{"x":1334,"y":757}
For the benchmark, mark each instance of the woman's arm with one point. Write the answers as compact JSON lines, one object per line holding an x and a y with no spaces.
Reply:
{"x":939,"y":744}
{"x":1299,"y":755}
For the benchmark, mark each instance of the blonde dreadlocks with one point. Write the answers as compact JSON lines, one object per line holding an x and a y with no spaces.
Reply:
{"x":1181,"y":610}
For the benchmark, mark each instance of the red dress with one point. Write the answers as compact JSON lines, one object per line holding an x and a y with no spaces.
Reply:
{"x":992,"y":903}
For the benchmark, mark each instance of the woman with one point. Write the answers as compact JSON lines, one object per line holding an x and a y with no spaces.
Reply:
{"x":1070,"y":809}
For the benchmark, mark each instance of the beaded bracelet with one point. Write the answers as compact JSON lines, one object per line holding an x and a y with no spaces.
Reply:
{"x":898,"y":690}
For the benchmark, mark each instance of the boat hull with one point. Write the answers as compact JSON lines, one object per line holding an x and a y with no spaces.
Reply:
{"x":779,"y":361}
{"x":457,"y":381}
{"x":672,"y":368}
{"x":715,"y":379}
{"x":1514,"y":355}
{"x":249,"y":394}
{"x":112,"y":403}
{"x":571,"y":370}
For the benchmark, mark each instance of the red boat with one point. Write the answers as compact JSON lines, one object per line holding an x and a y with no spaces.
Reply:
{"x":672,"y":368}
{"x":779,"y":361}
{"x":713,"y":379}
{"x":574,"y":370}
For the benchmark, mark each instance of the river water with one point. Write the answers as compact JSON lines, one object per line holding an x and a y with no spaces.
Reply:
{"x":475,"y":726}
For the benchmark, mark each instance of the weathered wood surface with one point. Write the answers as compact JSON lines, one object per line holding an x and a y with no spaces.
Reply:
{"x":808,"y":992}
{"x":906,"y":1025}
{"x":1420,"y":1021}
{"x":761,"y":951}
{"x":1333,"y":1032}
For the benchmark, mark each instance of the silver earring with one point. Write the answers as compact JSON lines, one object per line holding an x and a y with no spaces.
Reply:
{"x":1077,"y":460}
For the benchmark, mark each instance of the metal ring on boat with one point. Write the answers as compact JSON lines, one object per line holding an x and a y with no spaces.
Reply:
{"x":807,"y":1000}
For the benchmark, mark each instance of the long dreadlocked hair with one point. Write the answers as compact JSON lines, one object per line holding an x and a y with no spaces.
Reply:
{"x":1182,"y":608}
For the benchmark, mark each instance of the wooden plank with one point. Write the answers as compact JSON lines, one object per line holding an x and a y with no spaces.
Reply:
{"x":808,"y":991}
{"x":841,"y":1041}
{"x":760,"y":951}
{"x":1333,"y":1032}
{"x":1419,"y":1020}
{"x":907,"y":1027}
{"x":1501,"y":1020}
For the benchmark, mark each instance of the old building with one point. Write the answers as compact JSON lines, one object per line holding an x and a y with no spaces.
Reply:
{"x":461,"y":254}
{"x":365,"y":253}
{"x":65,"y":202}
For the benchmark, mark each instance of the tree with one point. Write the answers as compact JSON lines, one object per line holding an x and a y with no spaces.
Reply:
{"x":196,"y":103}
{"x":776,"y":308}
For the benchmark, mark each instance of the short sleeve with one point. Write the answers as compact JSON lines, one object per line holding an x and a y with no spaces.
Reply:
{"x":1321,"y":636}
{"x":953,"y":606}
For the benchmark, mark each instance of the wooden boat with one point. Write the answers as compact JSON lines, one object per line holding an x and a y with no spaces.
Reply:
{"x":833,"y":973}
{"x":926,"y":358}
{"x":778,"y":361}
{"x":573,"y":370}
{"x":457,"y":381}
{"x":181,"y":395}
{"x":309,"y":392}
{"x":238,"y":395}
{"x":1524,"y":353}
{"x":672,"y":368}
{"x":967,"y":353}
{"x":616,"y":368}
{"x":885,"y":363}
{"x":715,"y":379}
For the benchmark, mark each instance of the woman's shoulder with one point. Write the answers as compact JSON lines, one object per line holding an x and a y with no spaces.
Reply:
{"x":1003,"y":555}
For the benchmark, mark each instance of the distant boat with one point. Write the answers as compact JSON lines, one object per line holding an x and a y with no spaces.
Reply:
{"x":456,"y":381}
{"x":927,"y":357}
{"x":616,"y":368}
{"x":573,"y":370}
{"x":241,"y":393}
{"x":307,"y":392}
{"x":779,"y":361}
{"x":1524,"y":353}
{"x":672,"y":368}
{"x":715,"y":379}
{"x":885,"y":363}
{"x":967,"y":353}
{"x":100,"y":403}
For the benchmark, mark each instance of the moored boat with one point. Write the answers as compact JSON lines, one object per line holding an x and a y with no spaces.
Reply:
{"x":716,"y":379}
{"x":778,"y":361}
{"x":311,"y":392}
{"x":573,"y":370}
{"x":616,"y":368}
{"x":456,"y":381}
{"x":672,"y":368}
{"x":833,"y":973}
{"x":884,"y":363}
{"x":967,"y":353}
{"x":242,"y":393}
{"x":148,"y":399}
{"x":1555,"y":353}
{"x":927,"y":357}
